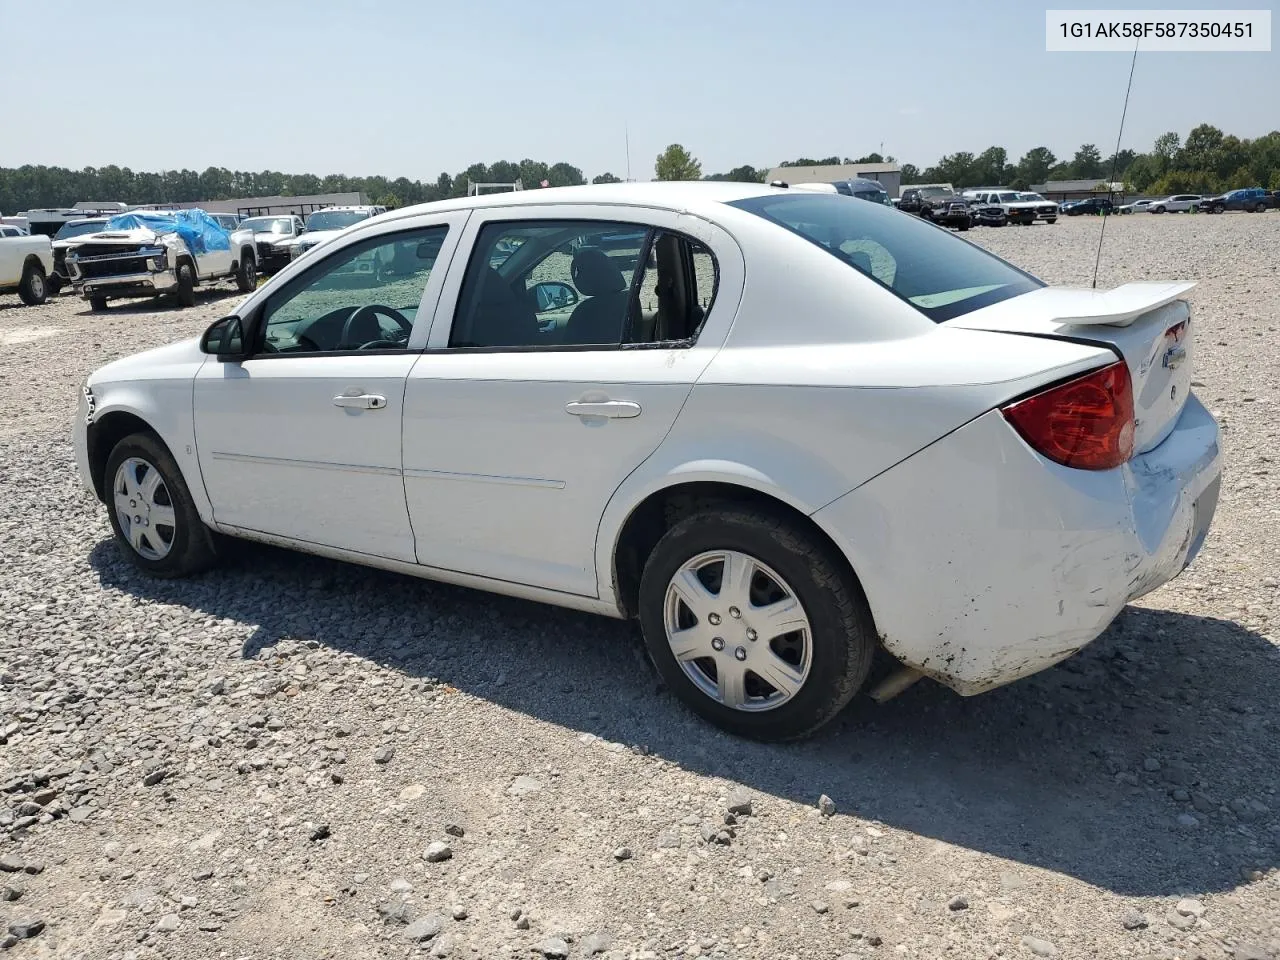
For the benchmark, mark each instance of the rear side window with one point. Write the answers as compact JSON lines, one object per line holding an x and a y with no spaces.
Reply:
{"x":939,"y":274}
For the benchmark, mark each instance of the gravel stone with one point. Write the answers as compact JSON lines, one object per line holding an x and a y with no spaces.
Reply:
{"x":622,"y":853}
{"x":1041,"y":948}
{"x":458,"y":912}
{"x":524,"y":785}
{"x":553,"y":948}
{"x":168,"y":923}
{"x":959,"y":902}
{"x":25,"y":928}
{"x":739,"y":802}
{"x":424,"y":928}
{"x":598,"y":942}
{"x":9,"y":892}
{"x":1134,"y":920}
{"x":438,"y":852}
{"x":383,"y":755}
{"x":826,"y":806}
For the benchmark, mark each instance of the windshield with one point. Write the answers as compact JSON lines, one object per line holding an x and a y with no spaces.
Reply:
{"x":934,"y":192}
{"x":1032,"y":197}
{"x":1009,"y":198}
{"x":939,"y":274}
{"x":335,"y":219}
{"x":74,"y":229}
{"x":266,"y":225}
{"x":875,"y":196}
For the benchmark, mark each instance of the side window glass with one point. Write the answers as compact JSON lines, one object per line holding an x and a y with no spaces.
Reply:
{"x":364,"y":297}
{"x":582,"y":284}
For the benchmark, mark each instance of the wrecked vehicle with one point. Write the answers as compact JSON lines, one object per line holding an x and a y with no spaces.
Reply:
{"x":150,"y":253}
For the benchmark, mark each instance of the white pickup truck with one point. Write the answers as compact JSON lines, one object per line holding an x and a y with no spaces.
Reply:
{"x":150,"y":253}
{"x":25,"y":265}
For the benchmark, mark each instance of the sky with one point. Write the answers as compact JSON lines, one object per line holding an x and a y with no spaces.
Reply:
{"x":405,"y":88}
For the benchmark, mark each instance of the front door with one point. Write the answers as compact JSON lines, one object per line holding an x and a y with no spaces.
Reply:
{"x":302,"y":441}
{"x":574,"y":343}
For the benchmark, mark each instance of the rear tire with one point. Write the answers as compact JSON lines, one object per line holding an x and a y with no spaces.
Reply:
{"x":143,"y":481}
{"x":1260,"y":208}
{"x":32,"y":288}
{"x":824,"y":662}
{"x":1158,"y":210}
{"x":247,"y":274}
{"x":186,"y":284}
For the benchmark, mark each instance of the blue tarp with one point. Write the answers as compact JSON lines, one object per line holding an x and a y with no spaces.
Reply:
{"x":198,"y":230}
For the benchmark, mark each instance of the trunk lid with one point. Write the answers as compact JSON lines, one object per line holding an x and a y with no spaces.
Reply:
{"x":1148,"y":324}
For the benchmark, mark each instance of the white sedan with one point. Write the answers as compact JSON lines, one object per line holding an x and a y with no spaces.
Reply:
{"x":783,"y":429}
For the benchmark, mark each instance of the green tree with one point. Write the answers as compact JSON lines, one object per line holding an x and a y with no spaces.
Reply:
{"x":1165,"y":150}
{"x":743,"y":174}
{"x":989,"y":167}
{"x":564,"y":175}
{"x":1087,"y":163}
{"x":606,"y":178}
{"x":869,"y":158}
{"x":1200,"y":151}
{"x":388,"y":200}
{"x":1035,"y":165}
{"x":676,"y":163}
{"x":910,"y":173}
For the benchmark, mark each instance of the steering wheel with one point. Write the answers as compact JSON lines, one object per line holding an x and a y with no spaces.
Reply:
{"x":372,"y":310}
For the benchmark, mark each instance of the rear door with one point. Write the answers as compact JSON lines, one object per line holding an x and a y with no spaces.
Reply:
{"x":556,"y":365}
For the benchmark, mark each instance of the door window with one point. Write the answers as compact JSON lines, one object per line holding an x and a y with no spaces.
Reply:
{"x":364,"y":297}
{"x":575,"y":284}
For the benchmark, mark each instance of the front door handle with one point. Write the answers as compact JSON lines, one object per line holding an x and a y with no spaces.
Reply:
{"x":603,"y":408}
{"x":360,"y":401}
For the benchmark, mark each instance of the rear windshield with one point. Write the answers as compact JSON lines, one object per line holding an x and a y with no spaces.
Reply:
{"x":935,"y":271}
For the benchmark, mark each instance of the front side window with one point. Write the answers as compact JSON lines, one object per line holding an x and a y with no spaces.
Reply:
{"x":939,"y":274}
{"x":364,"y":297}
{"x":582,"y":284}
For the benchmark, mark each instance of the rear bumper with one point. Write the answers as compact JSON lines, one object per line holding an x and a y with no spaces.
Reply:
{"x":983,"y":562}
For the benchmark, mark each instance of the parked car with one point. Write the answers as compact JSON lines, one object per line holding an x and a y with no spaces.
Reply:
{"x":150,"y":253}
{"x":1179,"y":203}
{"x":1137,"y":206}
{"x":9,"y":230}
{"x":273,"y":239}
{"x":987,"y":214}
{"x":1046,"y":210}
{"x":328,"y":223}
{"x":1098,"y":205}
{"x":1016,"y":210}
{"x":59,"y":278}
{"x":740,"y":486}
{"x":1250,"y":200}
{"x":938,"y":205}
{"x":25,"y":263}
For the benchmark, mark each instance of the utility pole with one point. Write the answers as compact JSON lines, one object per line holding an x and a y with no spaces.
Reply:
{"x":626,"y":132}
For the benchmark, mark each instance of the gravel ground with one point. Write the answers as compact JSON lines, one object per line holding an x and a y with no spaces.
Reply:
{"x":295,"y":758}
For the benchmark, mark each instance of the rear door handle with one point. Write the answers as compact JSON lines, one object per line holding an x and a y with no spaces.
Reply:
{"x":360,"y":401}
{"x":614,"y":409}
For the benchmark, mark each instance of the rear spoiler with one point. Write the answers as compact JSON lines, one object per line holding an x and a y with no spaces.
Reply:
{"x":1114,"y":308}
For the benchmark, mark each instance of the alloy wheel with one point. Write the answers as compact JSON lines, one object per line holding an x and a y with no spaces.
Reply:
{"x":144,"y":508}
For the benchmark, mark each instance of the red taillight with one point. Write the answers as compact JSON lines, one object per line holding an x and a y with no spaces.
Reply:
{"x":1085,"y":423}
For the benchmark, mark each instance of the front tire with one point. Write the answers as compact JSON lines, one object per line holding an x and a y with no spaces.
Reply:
{"x":32,"y":288}
{"x":247,"y":274}
{"x":754,"y":624}
{"x":186,"y":284}
{"x":151,"y":510}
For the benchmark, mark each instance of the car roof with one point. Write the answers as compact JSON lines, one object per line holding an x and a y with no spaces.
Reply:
{"x":691,"y":195}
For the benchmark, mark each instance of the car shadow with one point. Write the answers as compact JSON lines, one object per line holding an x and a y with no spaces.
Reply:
{"x":165,"y":303}
{"x":1052,"y":771}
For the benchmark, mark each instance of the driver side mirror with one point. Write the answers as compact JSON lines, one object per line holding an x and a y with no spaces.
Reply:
{"x":553,"y":295}
{"x":225,"y":340}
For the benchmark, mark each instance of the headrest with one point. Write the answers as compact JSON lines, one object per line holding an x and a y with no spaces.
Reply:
{"x":595,"y":274}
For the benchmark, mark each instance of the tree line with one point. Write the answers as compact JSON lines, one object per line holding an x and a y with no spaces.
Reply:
{"x":1208,"y":161}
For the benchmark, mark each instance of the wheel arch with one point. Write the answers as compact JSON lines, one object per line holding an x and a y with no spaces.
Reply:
{"x":32,"y":260}
{"x":101,"y":437}
{"x":659,"y":509}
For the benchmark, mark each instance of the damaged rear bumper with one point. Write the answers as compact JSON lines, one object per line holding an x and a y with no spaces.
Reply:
{"x":983,"y":562}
